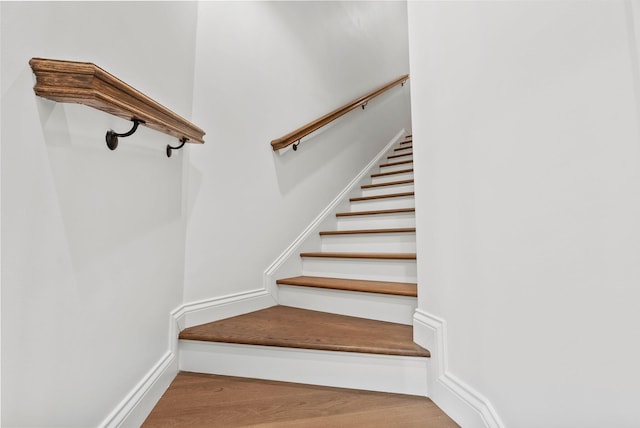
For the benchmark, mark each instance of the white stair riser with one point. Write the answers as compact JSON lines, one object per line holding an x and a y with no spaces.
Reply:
{"x":404,"y":375}
{"x":392,"y":177}
{"x":378,"y":221}
{"x":398,"y":167}
{"x":384,"y":190}
{"x":370,"y":269}
{"x":383,"y":204}
{"x":381,"y":307}
{"x":370,"y":243}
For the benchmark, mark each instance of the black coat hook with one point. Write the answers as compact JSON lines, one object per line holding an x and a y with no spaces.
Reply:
{"x":112,"y":136}
{"x":170,"y":149}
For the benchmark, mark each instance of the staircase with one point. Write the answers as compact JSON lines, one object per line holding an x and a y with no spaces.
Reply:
{"x":346,"y":321}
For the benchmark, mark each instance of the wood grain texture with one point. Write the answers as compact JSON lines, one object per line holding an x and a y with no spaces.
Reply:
{"x":303,"y":131}
{"x":390,"y":195}
{"x":380,"y":287}
{"x":289,"y":327}
{"x":377,"y":212}
{"x":389,"y":183}
{"x":383,"y":174}
{"x":367,"y":231}
{"x":212,"y":401}
{"x":86,"y":83}
{"x":377,"y":256}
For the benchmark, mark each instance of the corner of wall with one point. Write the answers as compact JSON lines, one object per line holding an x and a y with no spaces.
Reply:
{"x":459,"y":400}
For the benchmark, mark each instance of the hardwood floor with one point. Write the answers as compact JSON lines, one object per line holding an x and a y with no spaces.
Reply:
{"x":203,"y":400}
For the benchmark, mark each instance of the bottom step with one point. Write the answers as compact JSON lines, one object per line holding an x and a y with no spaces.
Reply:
{"x":303,"y":346}
{"x":201,"y":400}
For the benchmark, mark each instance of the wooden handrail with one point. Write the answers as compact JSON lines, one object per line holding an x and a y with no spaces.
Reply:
{"x":86,"y":83}
{"x":303,"y":131}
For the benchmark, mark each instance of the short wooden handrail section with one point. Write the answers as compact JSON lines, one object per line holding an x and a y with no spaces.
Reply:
{"x":303,"y":131}
{"x":86,"y":83}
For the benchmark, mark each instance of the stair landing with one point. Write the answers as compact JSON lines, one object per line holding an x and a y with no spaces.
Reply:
{"x":289,"y":327}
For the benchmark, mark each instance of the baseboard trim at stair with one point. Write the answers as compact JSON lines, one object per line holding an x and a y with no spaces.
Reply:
{"x":217,"y":308}
{"x":277,"y":268}
{"x":386,"y":373}
{"x":136,"y":406}
{"x":134,"y":409}
{"x":459,"y":400}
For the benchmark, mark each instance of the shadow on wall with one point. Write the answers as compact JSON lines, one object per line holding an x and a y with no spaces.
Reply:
{"x":345,"y":145}
{"x":106,"y":199}
{"x":313,"y":154}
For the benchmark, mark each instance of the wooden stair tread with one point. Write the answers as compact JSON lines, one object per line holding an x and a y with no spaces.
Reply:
{"x":390,"y":195}
{"x":396,"y":163}
{"x":199,"y":400}
{"x":380,"y":287}
{"x":376,"y":212}
{"x":289,"y":327}
{"x":379,"y":256}
{"x":383,"y":174}
{"x":403,"y":148}
{"x":368,"y":231}
{"x":400,"y":155}
{"x":390,"y":183}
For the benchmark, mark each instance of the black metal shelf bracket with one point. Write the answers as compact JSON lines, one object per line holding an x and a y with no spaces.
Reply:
{"x":170,"y":149}
{"x":112,"y":136}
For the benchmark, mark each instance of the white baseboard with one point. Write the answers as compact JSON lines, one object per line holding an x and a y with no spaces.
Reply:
{"x":208,"y":310}
{"x":278,"y":267}
{"x":136,"y":406}
{"x":460,"y":401}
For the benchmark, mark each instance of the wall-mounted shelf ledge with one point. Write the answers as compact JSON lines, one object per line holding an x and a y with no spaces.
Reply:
{"x":86,"y":83}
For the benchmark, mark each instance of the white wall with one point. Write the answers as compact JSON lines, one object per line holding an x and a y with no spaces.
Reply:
{"x":526,"y":123}
{"x":92,"y":240}
{"x":262,"y":70}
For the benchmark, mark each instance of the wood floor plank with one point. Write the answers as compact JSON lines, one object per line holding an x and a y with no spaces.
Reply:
{"x":380,"y":287}
{"x":213,"y":401}
{"x":285,"y":326}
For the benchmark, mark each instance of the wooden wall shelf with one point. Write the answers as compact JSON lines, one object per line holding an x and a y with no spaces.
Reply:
{"x":86,"y":83}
